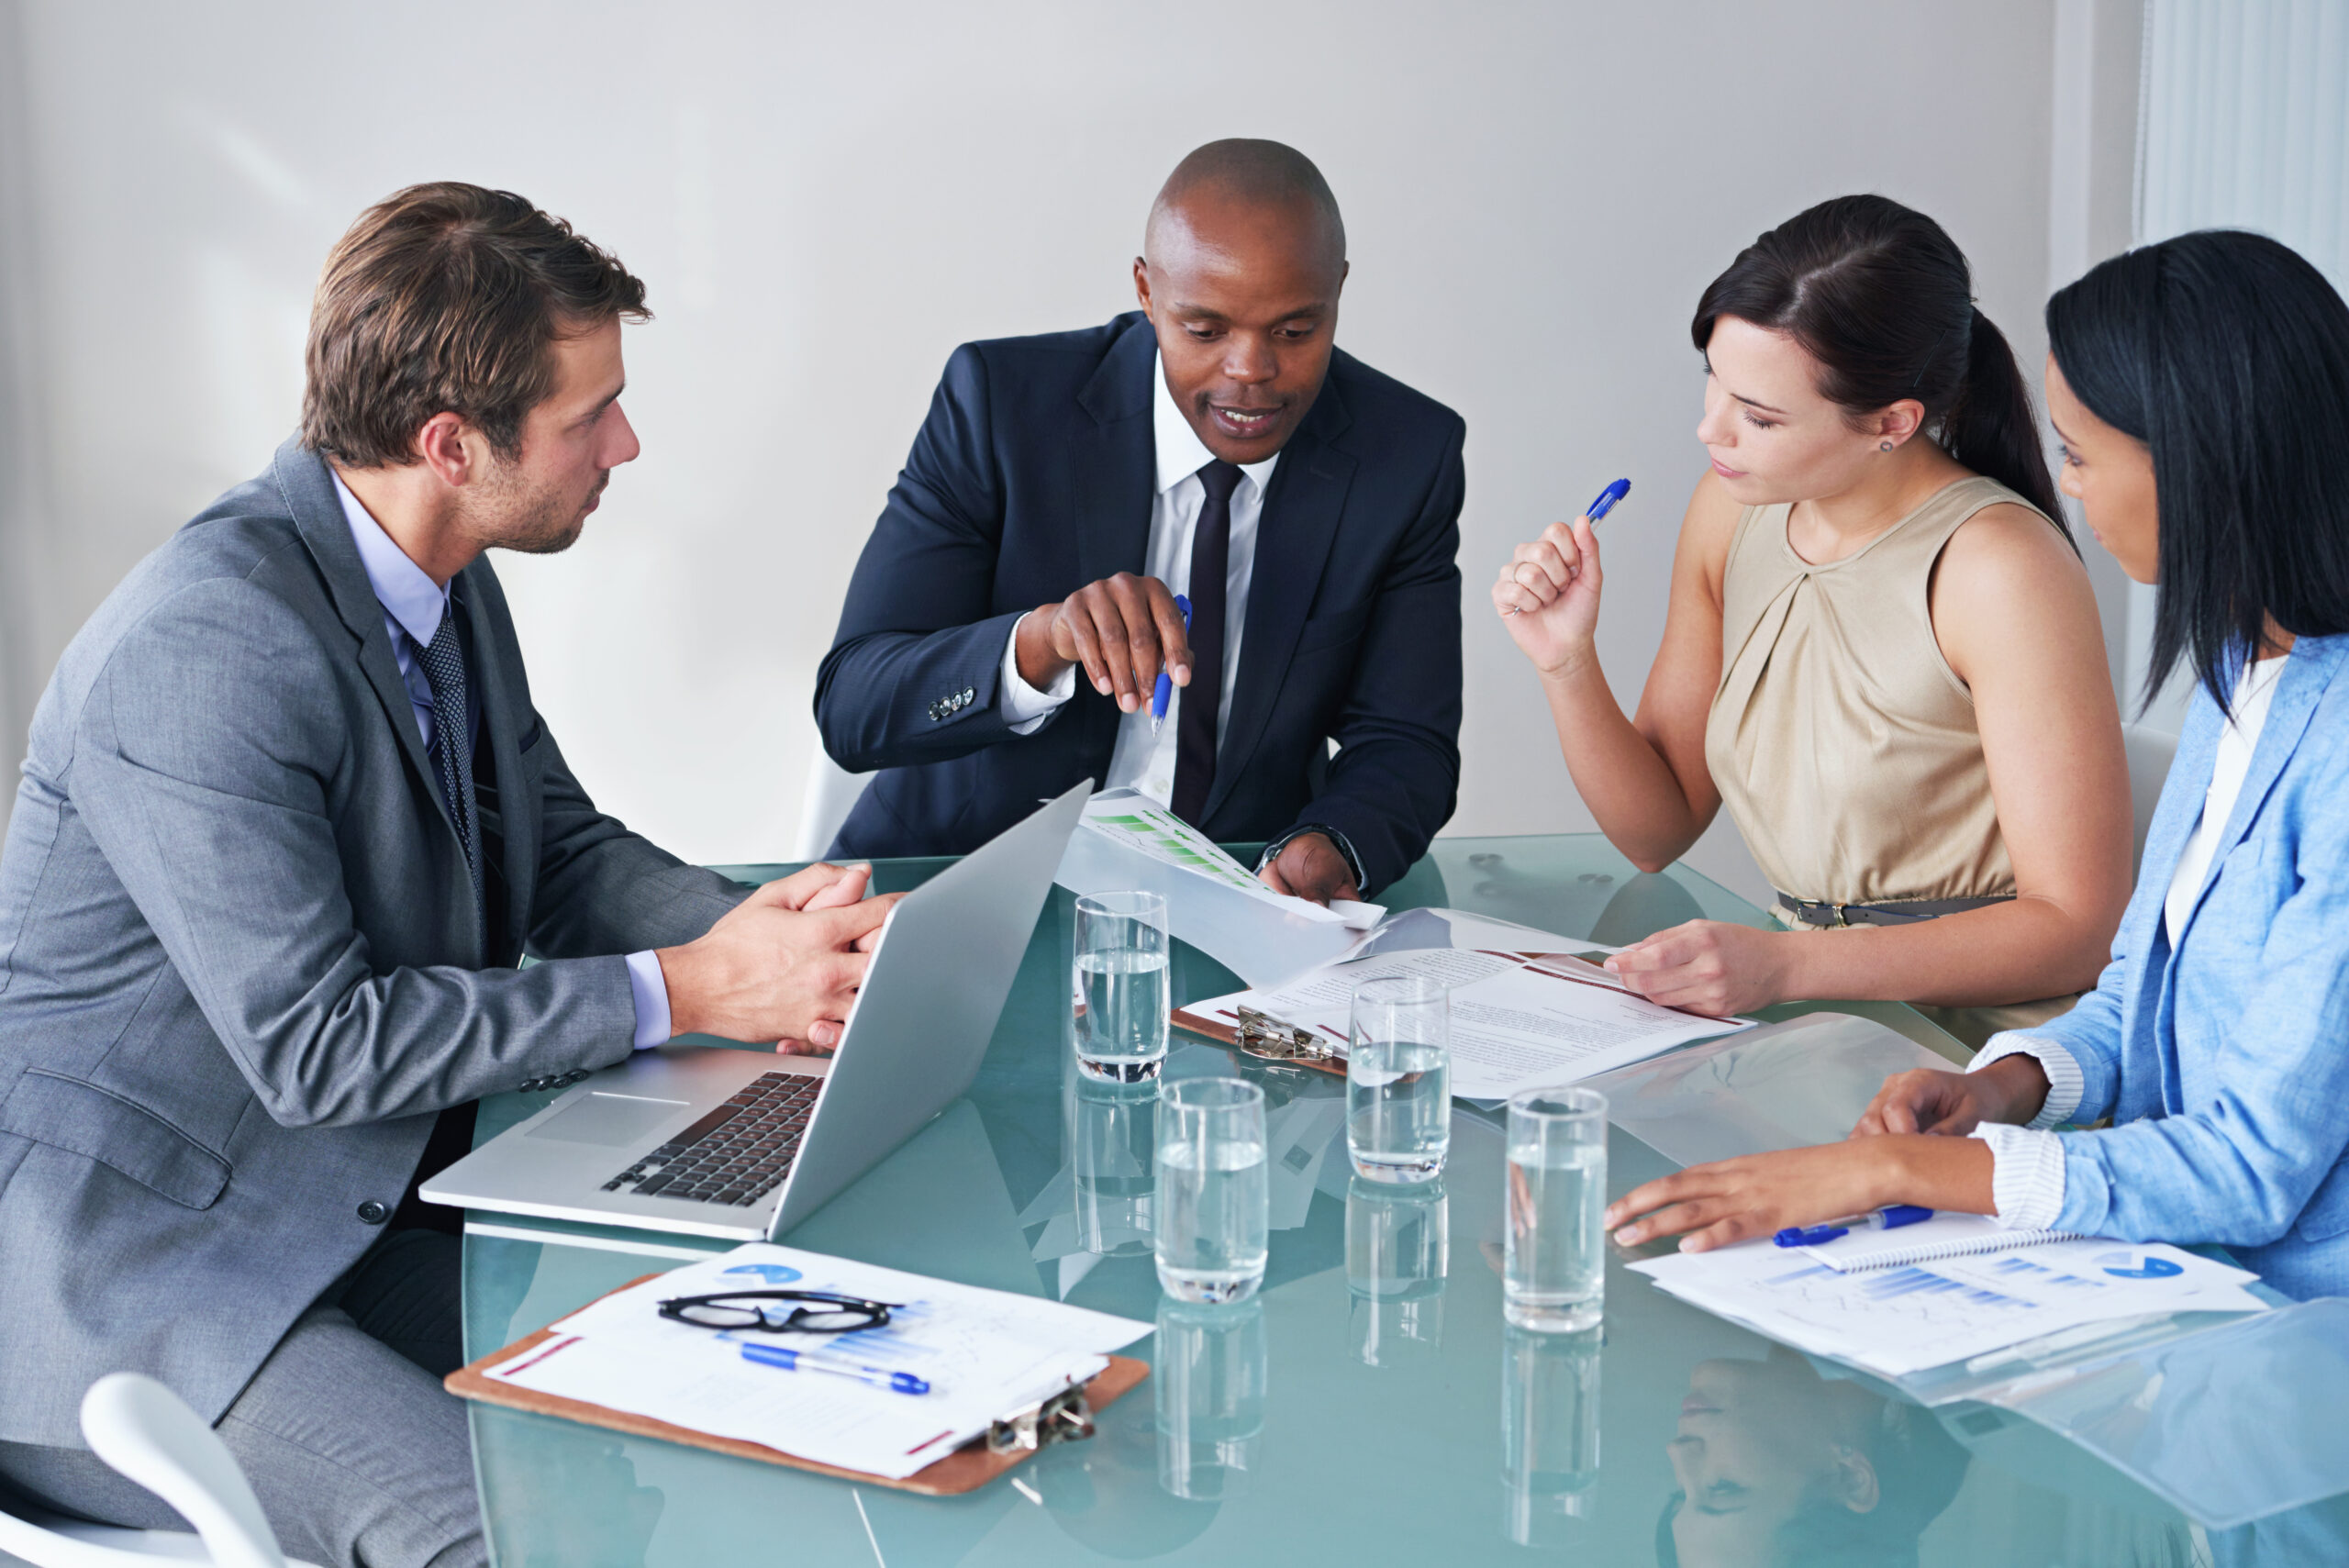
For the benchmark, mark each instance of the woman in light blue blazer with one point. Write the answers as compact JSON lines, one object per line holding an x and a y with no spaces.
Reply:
{"x":2201,"y":390}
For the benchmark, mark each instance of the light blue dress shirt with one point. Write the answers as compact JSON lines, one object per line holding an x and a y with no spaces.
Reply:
{"x":2223,"y":1059}
{"x":413,"y":604}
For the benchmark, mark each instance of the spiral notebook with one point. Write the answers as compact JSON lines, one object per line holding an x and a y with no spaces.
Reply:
{"x":1928,"y":1241}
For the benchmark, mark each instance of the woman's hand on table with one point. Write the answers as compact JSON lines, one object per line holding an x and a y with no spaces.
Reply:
{"x":1754,"y":1195}
{"x":1759,"y":1194}
{"x":1952,"y":1104}
{"x":1708,"y":966}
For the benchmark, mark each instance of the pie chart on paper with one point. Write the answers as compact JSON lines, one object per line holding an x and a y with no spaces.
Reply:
{"x":2137,"y":1266}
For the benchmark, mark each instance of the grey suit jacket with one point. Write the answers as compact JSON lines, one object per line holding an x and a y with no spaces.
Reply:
{"x":241,"y":967}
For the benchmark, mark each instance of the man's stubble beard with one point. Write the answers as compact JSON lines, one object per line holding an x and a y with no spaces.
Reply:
{"x":525,"y":520}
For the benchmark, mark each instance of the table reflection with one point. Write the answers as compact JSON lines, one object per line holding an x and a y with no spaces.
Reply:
{"x":1209,"y":1367}
{"x":1399,"y":1245}
{"x":1549,"y":1433}
{"x":1110,"y":1152}
{"x":1775,"y":1464}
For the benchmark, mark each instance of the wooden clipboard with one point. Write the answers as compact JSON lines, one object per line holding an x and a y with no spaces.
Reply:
{"x":967,"y":1469}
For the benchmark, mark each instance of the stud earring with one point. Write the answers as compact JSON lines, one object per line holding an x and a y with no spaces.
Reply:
{"x":1885,"y":447}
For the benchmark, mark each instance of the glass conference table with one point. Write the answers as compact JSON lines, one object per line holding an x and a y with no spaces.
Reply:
{"x":1374,"y":1413}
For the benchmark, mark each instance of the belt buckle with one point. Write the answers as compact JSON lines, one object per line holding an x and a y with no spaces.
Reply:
{"x":1840,"y":920}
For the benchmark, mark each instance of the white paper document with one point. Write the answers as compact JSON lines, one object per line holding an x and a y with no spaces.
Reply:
{"x":1128,"y":841}
{"x":1526,"y":1016}
{"x":1895,"y":1321}
{"x":985,"y":1355}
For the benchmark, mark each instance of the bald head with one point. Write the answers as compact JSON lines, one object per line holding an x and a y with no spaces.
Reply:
{"x":1257,"y":183}
{"x":1239,"y":275}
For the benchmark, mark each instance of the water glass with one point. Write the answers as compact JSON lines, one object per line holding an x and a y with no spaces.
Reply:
{"x":1549,"y":1434}
{"x":1214,"y":1189}
{"x":1122,"y":986}
{"x":1554,"y":1275}
{"x":1398,"y":1079}
{"x":1112,"y":1137}
{"x":1209,"y":1375}
{"x":1398,"y":1246}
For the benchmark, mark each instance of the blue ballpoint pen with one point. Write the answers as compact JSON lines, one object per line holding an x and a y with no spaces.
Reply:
{"x":1164,"y":692}
{"x":790,"y":1360}
{"x":1892,"y":1217}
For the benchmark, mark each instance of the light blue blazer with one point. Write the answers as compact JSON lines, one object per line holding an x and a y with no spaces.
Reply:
{"x":2225,"y":1063}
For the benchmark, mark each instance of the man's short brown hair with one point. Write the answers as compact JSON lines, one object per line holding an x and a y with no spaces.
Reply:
{"x":448,"y":297}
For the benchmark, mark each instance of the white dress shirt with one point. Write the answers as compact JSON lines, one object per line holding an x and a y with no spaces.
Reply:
{"x":2027,"y":1162}
{"x":413,"y":604}
{"x":1142,"y":761}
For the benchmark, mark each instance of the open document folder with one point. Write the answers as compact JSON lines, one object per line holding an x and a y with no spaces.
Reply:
{"x":1128,"y":841}
{"x":983,"y":1352}
{"x":1527,"y":1012}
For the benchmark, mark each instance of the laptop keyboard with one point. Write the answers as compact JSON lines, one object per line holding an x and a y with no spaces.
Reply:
{"x":735,"y":1155}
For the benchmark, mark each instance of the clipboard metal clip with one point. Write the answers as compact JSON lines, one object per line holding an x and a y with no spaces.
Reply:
{"x":1268,"y":1039}
{"x":1060,"y":1418}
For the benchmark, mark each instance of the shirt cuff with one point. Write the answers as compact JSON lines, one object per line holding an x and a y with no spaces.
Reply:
{"x":1353,"y":861}
{"x":1024,"y":707}
{"x":2066,"y":1082}
{"x":651,"y":990}
{"x":2026,"y":1175}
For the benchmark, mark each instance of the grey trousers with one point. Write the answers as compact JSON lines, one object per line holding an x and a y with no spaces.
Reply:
{"x":359,"y":1458}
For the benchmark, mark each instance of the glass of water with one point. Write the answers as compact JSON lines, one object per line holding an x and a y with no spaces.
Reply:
{"x":1398,"y":1079}
{"x":1554,"y":1276}
{"x":1121,"y":990}
{"x":1214,"y":1207}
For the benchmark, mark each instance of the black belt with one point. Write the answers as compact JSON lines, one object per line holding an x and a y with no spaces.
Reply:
{"x":1909,"y":911}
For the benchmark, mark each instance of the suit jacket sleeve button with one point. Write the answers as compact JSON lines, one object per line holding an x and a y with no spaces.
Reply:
{"x":373,"y":1213}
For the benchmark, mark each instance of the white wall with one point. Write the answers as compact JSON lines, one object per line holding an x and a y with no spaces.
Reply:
{"x":2245,"y":125}
{"x":826,"y":199}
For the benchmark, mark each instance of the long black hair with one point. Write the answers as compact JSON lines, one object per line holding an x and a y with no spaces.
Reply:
{"x":2228,"y":355}
{"x":1881,"y":296}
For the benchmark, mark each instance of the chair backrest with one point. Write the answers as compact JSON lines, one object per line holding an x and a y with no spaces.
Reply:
{"x":146,"y":1431}
{"x":2150,"y":753}
{"x":832,"y":793}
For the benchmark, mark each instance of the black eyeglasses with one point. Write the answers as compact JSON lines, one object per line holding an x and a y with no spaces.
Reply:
{"x":823,"y":1312}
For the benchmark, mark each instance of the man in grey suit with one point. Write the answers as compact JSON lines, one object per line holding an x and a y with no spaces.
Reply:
{"x":288,"y":821}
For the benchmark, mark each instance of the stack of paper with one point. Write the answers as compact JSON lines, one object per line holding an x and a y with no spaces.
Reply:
{"x":985,"y":1355}
{"x":1906,"y":1319}
{"x":1530,"y":1015}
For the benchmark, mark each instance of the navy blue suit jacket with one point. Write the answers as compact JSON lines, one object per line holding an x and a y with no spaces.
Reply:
{"x":1034,"y":475}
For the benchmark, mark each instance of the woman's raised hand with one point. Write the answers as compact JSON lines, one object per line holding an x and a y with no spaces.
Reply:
{"x":1548,"y":595}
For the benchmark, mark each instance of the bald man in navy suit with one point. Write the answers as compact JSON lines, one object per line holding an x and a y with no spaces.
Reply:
{"x":1019,"y":595}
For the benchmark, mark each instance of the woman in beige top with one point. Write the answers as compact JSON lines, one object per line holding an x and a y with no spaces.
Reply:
{"x":1882,"y":652}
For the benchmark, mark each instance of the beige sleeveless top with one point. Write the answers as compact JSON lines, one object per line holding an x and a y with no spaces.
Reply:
{"x":1842,"y":742}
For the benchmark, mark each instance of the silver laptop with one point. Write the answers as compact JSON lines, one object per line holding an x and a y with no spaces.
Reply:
{"x":745,"y":1144}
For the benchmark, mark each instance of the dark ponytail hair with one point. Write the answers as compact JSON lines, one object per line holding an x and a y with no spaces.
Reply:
{"x":2228,"y":355}
{"x":1881,"y":296}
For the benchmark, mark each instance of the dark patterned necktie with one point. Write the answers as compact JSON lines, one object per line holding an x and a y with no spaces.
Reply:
{"x":444,"y":667}
{"x":1203,"y":698}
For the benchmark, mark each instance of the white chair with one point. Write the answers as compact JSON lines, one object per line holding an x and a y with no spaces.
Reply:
{"x":832,"y":793}
{"x":2150,"y":753}
{"x":148,"y":1433}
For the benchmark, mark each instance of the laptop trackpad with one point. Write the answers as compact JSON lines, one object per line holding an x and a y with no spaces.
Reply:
{"x":611,"y":1120}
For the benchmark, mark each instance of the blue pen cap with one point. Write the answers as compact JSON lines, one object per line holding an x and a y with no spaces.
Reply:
{"x":1607,"y":499}
{"x":907,"y":1382}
